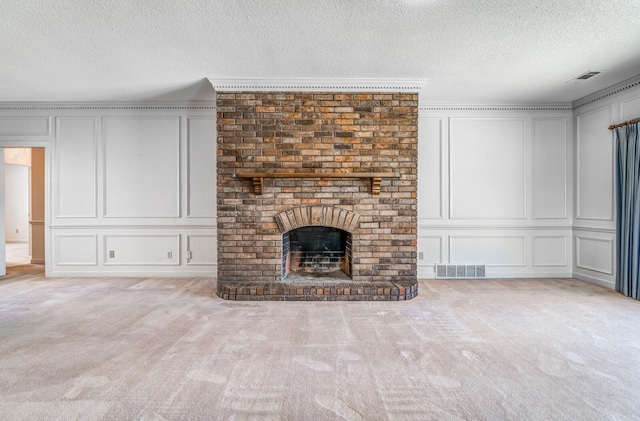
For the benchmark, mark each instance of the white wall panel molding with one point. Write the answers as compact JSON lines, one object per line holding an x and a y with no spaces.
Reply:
{"x":595,"y":165}
{"x":630,"y":108}
{"x":431,"y":177}
{"x":298,"y":85}
{"x":487,"y":168}
{"x":76,"y":177}
{"x":549,"y":250}
{"x":76,"y":249}
{"x":25,"y":126}
{"x":431,"y":249}
{"x":595,"y":254}
{"x":141,"y":166}
{"x":201,"y":167}
{"x":492,"y":250}
{"x":549,"y":168}
{"x":203,"y":249}
{"x":141,"y":250}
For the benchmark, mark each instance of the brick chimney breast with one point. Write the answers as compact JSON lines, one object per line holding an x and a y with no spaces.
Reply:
{"x":317,"y":133}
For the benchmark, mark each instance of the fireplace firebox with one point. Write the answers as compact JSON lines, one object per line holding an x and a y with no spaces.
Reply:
{"x":316,"y":252}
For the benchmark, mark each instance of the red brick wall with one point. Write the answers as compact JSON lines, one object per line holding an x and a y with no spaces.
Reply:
{"x":317,"y":132}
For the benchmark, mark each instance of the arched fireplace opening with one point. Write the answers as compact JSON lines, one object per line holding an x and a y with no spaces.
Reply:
{"x":316,"y":252}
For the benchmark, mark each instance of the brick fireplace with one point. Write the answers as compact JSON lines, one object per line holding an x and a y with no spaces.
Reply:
{"x":317,"y":195}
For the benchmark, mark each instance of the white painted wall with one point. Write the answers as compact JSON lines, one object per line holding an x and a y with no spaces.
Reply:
{"x":494,"y":188}
{"x":16,"y":203}
{"x":595,"y":226}
{"x":527,"y":190}
{"x":137,"y":180}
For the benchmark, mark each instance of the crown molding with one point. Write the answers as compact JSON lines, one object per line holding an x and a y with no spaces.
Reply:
{"x":317,"y":85}
{"x":607,"y":92}
{"x":107,"y":106}
{"x":494,"y":107}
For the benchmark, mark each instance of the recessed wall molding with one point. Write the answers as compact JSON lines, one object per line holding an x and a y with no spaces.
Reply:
{"x":25,"y":126}
{"x":595,"y":254}
{"x":299,"y":85}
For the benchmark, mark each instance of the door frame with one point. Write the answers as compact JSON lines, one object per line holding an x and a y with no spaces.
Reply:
{"x":46,"y":144}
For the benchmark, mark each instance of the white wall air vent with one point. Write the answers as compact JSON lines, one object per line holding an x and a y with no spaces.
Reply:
{"x":460,"y":271}
{"x":584,"y":77}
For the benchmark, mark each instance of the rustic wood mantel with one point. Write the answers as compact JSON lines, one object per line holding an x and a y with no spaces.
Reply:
{"x":258,"y":177}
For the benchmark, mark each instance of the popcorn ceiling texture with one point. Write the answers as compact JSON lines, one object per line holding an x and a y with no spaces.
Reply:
{"x":156,"y":50}
{"x":317,"y":132}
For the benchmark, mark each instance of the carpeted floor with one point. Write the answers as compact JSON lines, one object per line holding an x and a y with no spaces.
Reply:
{"x":166,"y":349}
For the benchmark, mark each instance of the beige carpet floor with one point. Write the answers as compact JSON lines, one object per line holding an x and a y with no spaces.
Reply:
{"x":166,"y":349}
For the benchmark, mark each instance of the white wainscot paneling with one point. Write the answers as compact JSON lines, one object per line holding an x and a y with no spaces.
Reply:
{"x":202,"y":168}
{"x":431,"y":249}
{"x":130,"y":250}
{"x":550,"y":168}
{"x":430,"y":190}
{"x":487,"y":168}
{"x":595,"y":254}
{"x":203,"y":248}
{"x":76,"y":249}
{"x":25,"y":126}
{"x":141,"y":161}
{"x":630,"y":109}
{"x":76,"y":181}
{"x":497,"y":251}
{"x":549,"y":251}
{"x":595,"y":165}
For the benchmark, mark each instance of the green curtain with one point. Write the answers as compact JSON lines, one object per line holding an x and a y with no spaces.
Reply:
{"x":628,"y":210}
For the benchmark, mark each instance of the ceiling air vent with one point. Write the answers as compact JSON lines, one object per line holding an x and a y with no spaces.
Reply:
{"x":583,"y":77}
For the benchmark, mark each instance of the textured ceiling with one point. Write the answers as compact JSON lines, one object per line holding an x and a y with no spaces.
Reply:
{"x":467,"y":51}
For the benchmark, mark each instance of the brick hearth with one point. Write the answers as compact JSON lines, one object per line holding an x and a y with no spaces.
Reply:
{"x":317,"y":133}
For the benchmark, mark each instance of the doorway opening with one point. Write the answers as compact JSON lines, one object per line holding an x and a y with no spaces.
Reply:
{"x":23,"y":233}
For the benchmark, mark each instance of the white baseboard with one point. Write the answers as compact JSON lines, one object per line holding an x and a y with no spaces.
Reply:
{"x":132,"y":274}
{"x":594,"y":280}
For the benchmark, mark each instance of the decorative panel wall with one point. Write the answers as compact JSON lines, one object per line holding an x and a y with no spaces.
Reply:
{"x":25,"y":126}
{"x":487,"y":168}
{"x":595,"y":254}
{"x":550,"y":250}
{"x":595,"y":163}
{"x":430,"y":176}
{"x":499,"y":251}
{"x":201,"y":192}
{"x":550,"y":168}
{"x":142,"y":250}
{"x":630,"y":108}
{"x":141,"y":166}
{"x":203,"y":250}
{"x":75,"y":158}
{"x":76,"y":249}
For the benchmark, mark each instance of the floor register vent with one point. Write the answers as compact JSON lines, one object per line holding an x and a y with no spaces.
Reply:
{"x":460,"y":271}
